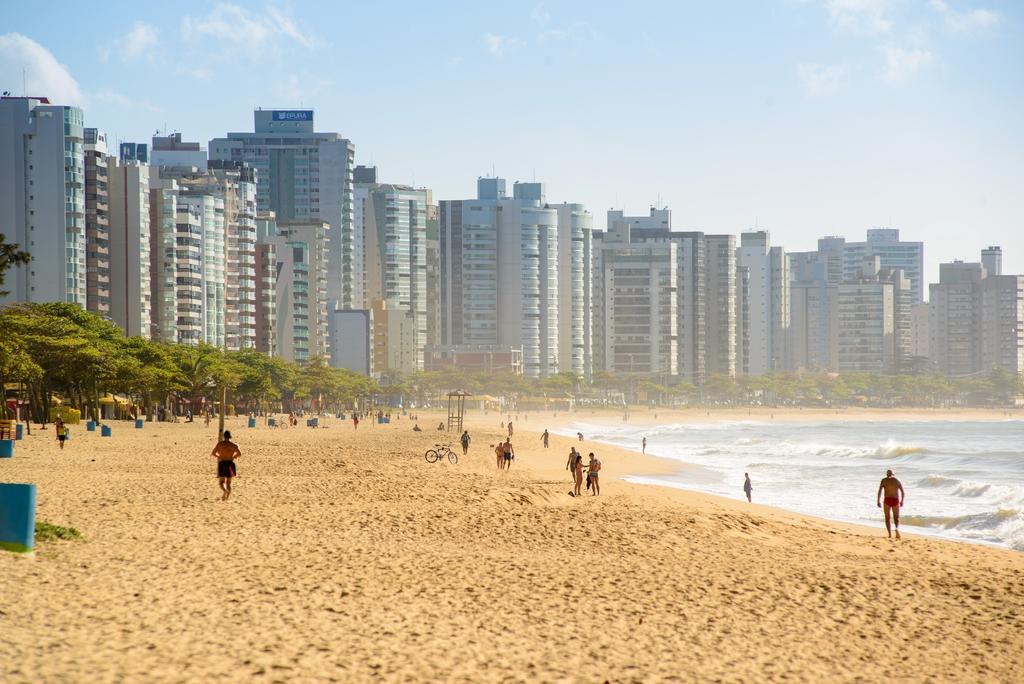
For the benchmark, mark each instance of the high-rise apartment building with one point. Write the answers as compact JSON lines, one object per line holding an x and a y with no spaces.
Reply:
{"x":499,"y":272}
{"x":97,"y":224}
{"x":955,"y":318}
{"x":236,"y":182}
{"x":763,"y":303}
{"x":433,"y":273}
{"x":893,"y":253}
{"x":301,"y":287}
{"x":814,"y":322}
{"x":635,"y":301}
{"x":976,"y":319}
{"x":873,"y":313}
{"x":390,"y":264}
{"x":1002,"y":323}
{"x":42,"y":199}
{"x":705,"y":286}
{"x":266,"y":283}
{"x":164,"y":251}
{"x":130,"y":268}
{"x":171,"y":150}
{"x":302,"y":175}
{"x":575,"y":288}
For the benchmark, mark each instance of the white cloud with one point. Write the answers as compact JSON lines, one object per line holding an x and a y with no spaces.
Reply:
{"x":865,"y":17}
{"x":498,"y":44}
{"x":903,"y":63}
{"x":44,"y":75}
{"x":967,"y":21}
{"x":140,"y":40}
{"x":821,"y":79}
{"x":198,"y":73}
{"x":540,"y":14}
{"x":236,"y":26}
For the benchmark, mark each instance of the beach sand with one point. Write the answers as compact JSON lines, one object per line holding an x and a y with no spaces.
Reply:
{"x":344,"y":556}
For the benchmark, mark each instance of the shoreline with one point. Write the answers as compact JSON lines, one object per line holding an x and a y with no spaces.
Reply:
{"x":653,"y":466}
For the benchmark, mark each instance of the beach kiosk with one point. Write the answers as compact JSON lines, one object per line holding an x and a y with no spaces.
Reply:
{"x":456,"y":409}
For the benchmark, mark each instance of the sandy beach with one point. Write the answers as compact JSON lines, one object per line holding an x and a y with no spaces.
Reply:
{"x":344,"y":556}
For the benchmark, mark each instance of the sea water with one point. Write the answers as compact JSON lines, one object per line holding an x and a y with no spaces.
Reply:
{"x":963,"y":479}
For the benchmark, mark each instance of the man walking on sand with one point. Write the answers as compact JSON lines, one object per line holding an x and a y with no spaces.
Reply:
{"x":894,"y":496}
{"x":594,"y":469}
{"x":508,"y":454}
{"x":747,"y":487}
{"x":544,"y":438}
{"x":465,"y":442}
{"x":226,"y":452}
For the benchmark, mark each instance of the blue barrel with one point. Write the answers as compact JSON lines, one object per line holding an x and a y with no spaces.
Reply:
{"x":6,"y":448}
{"x":252,"y":422}
{"x":105,"y":430}
{"x":139,"y":423}
{"x":313,"y":422}
{"x":17,"y":517}
{"x":19,"y":431}
{"x":91,"y":426}
{"x":272,"y":422}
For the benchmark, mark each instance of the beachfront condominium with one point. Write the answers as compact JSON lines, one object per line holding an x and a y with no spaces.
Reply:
{"x":433,"y":272}
{"x":300,"y":307}
{"x":265,"y":252}
{"x":499,"y":272}
{"x":1002,"y":323}
{"x":97,"y":224}
{"x":636,"y":310}
{"x":42,"y":199}
{"x":302,"y":175}
{"x":130,"y":268}
{"x":705,"y":287}
{"x":390,"y":264}
{"x":893,"y":254}
{"x":217,"y":262}
{"x":165,"y":252}
{"x":813,"y":315}
{"x":873,"y":320}
{"x":955,"y":318}
{"x":575,"y":288}
{"x":762,"y":295}
{"x":976,"y":318}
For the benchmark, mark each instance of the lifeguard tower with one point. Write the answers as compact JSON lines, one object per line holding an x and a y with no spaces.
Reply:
{"x":456,"y":409}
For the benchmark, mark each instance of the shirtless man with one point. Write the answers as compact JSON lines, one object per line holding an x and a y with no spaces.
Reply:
{"x":226,"y":452}
{"x":508,"y":453}
{"x":593,"y":470}
{"x":894,"y":496}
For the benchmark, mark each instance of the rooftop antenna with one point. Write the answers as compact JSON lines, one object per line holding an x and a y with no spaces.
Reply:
{"x":492,"y":170}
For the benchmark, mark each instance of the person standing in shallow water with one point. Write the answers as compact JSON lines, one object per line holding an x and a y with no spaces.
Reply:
{"x":747,"y":487}
{"x":226,"y":452}
{"x":643,"y":446}
{"x":894,"y":496}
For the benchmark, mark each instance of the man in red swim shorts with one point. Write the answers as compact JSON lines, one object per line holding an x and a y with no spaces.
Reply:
{"x":894,"y":495}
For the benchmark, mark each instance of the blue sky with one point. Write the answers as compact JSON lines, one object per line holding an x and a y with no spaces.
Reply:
{"x":802,"y":117}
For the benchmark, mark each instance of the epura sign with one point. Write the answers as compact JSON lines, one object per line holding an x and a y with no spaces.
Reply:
{"x":293,"y":115}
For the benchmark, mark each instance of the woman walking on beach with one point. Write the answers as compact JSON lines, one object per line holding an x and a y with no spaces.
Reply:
{"x":499,"y":453}
{"x":575,"y":468}
{"x":226,"y":452}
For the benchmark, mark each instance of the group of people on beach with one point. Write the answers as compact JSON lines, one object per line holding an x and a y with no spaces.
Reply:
{"x":575,"y":467}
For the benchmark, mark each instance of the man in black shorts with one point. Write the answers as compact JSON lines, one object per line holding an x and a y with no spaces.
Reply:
{"x":226,"y":452}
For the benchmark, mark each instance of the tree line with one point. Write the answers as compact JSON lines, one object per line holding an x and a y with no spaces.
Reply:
{"x":58,"y":349}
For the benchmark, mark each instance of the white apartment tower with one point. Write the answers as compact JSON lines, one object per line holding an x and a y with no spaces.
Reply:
{"x":575,"y":288}
{"x":499,"y":273}
{"x":42,"y":199}
{"x":763,"y":305}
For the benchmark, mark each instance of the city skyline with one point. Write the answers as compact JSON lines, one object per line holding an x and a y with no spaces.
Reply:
{"x":834,"y":117}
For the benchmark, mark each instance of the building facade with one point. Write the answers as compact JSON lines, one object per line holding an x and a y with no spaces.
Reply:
{"x":130,"y":242}
{"x":97,"y":223}
{"x":42,"y":199}
{"x":302,"y":175}
{"x":763,"y":303}
{"x":575,"y":288}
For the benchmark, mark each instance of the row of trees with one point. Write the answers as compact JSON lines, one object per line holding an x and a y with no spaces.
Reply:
{"x":59,"y":349}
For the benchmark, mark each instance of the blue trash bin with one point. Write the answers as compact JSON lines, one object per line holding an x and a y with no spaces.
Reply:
{"x":139,"y":423}
{"x":6,"y":448}
{"x":272,"y":422}
{"x":91,"y":426}
{"x":105,"y":430}
{"x":19,"y":431}
{"x":17,"y":517}
{"x":252,"y":422}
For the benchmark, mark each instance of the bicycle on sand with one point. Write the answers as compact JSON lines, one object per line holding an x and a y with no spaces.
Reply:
{"x":439,"y":452}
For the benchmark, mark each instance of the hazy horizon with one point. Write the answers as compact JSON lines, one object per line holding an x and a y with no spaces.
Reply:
{"x":801,"y":117}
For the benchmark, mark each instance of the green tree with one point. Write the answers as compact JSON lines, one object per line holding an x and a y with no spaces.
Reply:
{"x":10,"y":255}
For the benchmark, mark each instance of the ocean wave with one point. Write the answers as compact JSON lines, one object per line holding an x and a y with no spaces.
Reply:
{"x":971,"y":521}
{"x":893,"y":450}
